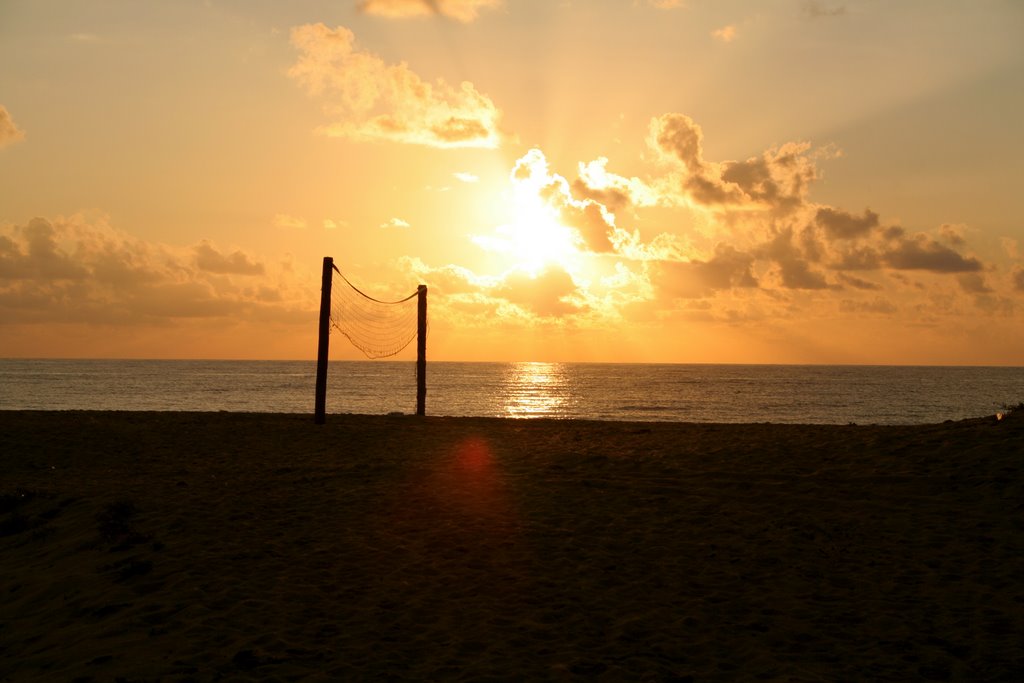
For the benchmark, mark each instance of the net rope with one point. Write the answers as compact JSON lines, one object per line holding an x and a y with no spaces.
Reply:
{"x":377,"y":328}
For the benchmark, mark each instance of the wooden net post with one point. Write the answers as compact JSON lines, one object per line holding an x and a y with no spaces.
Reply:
{"x":421,"y":350}
{"x":323,"y":343}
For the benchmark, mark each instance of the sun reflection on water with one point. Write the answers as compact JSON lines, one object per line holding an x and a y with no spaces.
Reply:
{"x":536,"y":390}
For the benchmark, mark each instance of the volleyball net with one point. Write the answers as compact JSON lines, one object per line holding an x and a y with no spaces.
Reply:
{"x":377,"y":328}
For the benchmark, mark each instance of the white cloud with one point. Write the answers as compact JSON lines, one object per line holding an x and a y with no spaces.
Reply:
{"x":395,"y":223}
{"x":467,"y":177}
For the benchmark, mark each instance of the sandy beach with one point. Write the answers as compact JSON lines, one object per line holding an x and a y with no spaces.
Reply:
{"x":190,"y":546}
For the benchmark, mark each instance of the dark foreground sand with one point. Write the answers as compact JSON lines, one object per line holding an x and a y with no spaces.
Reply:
{"x":178,"y":546}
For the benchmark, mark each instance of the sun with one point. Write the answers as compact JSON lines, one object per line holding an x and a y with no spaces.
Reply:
{"x":536,"y":238}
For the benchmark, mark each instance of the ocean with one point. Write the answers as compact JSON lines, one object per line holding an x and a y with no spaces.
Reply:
{"x":808,"y":394}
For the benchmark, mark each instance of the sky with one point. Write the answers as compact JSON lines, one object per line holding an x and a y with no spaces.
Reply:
{"x":696,"y":181}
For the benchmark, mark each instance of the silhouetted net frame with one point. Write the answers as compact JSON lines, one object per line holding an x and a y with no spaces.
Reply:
{"x":379,"y":329}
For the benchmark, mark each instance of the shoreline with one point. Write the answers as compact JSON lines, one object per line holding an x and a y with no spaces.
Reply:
{"x":180,"y":545}
{"x":988,"y":418}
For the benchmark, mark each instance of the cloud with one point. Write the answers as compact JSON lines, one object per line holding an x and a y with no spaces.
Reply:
{"x":678,"y":137}
{"x":1018,"y":279}
{"x":334,"y":224}
{"x":778,"y":180}
{"x":1010,"y":247}
{"x":546,"y":294}
{"x":286,"y":222}
{"x":876,"y":306}
{"x":466,"y":177}
{"x":395,"y":223}
{"x":921,"y":252}
{"x":616,"y":192}
{"x":464,"y":11}
{"x":373,"y":100}
{"x":728,"y":268}
{"x":839,"y":224}
{"x":953,"y":234}
{"x":858,"y":283}
{"x":763,"y":202}
{"x":71,"y":270}
{"x":445,"y":280}
{"x":9,"y":132}
{"x":534,"y":184}
{"x":213,"y":261}
{"x":815,"y":9}
{"x":794,"y":262}
{"x":665,"y":4}
{"x":726,"y":34}
{"x":974,"y":283}
{"x":695,"y":239}
{"x":31,"y":253}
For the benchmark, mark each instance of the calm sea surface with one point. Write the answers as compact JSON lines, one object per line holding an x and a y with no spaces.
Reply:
{"x":700,"y":393}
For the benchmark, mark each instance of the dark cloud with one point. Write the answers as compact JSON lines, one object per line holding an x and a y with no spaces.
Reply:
{"x":798,"y":274}
{"x":615,"y":199}
{"x":591,"y":221}
{"x":974,"y":283}
{"x":615,"y":192}
{"x":858,"y":258}
{"x":878,"y":305}
{"x":1018,"y":278}
{"x":858,"y":283}
{"x":815,"y":9}
{"x":777,"y":180}
{"x":32,"y":253}
{"x":794,"y":269}
{"x":707,"y":191}
{"x":923,"y":253}
{"x":694,"y":279}
{"x":839,"y":224}
{"x":68,"y":270}
{"x":213,"y":261}
{"x":679,"y":136}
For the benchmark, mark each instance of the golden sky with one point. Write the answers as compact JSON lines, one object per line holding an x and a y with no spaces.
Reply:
{"x":780,"y":181}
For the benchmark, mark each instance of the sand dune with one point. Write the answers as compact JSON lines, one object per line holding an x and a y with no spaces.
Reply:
{"x":186,"y":546}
